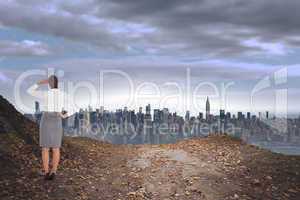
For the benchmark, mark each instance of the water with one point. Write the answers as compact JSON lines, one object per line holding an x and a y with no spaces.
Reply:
{"x":279,"y":147}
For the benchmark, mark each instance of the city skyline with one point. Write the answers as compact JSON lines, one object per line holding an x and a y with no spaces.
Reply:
{"x":200,"y":114}
{"x":158,"y":126}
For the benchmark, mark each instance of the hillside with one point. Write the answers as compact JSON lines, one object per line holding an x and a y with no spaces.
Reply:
{"x":212,"y":168}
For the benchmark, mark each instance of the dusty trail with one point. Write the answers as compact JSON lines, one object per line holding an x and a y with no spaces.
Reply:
{"x":176,"y":174}
{"x":216,"y":168}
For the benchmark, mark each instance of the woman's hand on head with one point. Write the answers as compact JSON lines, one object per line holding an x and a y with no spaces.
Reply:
{"x":64,"y":114}
{"x":41,"y":82}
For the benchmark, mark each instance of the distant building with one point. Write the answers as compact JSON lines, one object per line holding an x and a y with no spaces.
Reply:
{"x":248,"y":115}
{"x":101,"y":109}
{"x":228,"y":115}
{"x":240,"y":115}
{"x":148,"y":109}
{"x":37,"y":113}
{"x":37,"y":107}
{"x":187,"y":116}
{"x":222,"y":121}
{"x":156,"y":115}
{"x":200,"y":116}
{"x":222,"y":115}
{"x":165,"y":115}
{"x":259,"y":115}
{"x":207,"y":109}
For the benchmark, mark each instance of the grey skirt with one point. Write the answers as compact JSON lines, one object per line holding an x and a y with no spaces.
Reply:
{"x":51,"y":130}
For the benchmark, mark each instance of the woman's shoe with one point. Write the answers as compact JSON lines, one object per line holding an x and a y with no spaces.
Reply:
{"x":52,"y":176}
{"x":47,"y":176}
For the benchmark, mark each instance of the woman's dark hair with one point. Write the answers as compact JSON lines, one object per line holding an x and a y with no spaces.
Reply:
{"x":53,"y":82}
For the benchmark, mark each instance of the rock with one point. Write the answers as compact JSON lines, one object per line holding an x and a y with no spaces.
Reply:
{"x":236,"y":196}
{"x":292,"y":191}
{"x":131,"y":194}
{"x":269,"y":178}
{"x":256,"y":182}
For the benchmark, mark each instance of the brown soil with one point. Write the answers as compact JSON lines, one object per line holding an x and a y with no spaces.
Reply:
{"x":212,"y":168}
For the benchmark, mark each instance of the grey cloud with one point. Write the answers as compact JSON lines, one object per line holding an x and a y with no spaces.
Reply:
{"x":160,"y":71}
{"x":56,"y":23}
{"x":190,"y":22}
{"x":182,"y":28}
{"x":23,"y":48}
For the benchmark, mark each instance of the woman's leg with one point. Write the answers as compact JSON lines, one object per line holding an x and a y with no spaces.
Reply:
{"x":45,"y":159}
{"x":55,"y":159}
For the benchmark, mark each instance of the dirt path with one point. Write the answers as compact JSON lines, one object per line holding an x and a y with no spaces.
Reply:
{"x":205,"y":169}
{"x":175,"y":174}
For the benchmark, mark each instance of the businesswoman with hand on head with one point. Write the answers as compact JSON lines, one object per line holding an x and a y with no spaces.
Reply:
{"x":51,"y":130}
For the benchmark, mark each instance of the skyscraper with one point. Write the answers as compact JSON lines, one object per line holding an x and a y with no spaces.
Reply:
{"x":200,"y":116}
{"x":228,"y":115}
{"x":207,"y":108}
{"x":156,"y":115}
{"x":37,"y":107}
{"x":37,"y":115}
{"x":240,"y":115}
{"x":248,"y":115}
{"x":102,"y":109}
{"x":148,"y":110}
{"x":259,"y":115}
{"x":222,"y":121}
{"x":222,"y":115}
{"x":267,"y":114}
{"x":187,"y":116}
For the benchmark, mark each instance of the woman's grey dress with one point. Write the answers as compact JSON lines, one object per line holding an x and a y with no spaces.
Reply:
{"x":51,"y":130}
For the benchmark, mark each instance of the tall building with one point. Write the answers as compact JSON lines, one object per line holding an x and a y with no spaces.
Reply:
{"x":140,"y":116}
{"x":156,"y":115}
{"x":90,"y":109}
{"x":222,"y":121}
{"x":147,"y":129}
{"x":37,"y":113}
{"x":200,"y":116}
{"x":259,"y":115}
{"x":228,"y":115}
{"x":248,"y":115}
{"x":222,"y":115}
{"x":207,"y":108}
{"x":101,"y":109}
{"x":267,"y":114}
{"x":165,"y":114}
{"x":187,"y":116}
{"x":37,"y":107}
{"x":240,"y":116}
{"x":148,"y":109}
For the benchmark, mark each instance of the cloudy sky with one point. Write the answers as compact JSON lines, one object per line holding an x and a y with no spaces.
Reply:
{"x":170,"y":53}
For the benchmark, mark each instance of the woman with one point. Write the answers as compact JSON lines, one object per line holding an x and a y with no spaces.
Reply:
{"x":51,"y":123}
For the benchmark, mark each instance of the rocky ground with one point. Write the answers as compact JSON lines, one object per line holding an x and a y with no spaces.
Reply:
{"x":212,"y":168}
{"x":217,"y":167}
